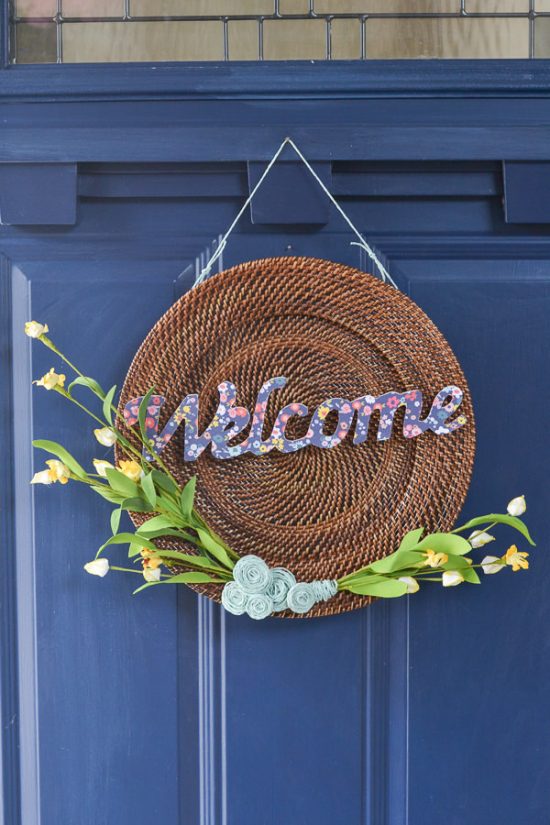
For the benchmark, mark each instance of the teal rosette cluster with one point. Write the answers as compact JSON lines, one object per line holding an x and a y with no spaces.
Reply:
{"x":259,"y":590}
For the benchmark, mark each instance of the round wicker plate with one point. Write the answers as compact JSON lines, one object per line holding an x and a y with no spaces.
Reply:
{"x":332,"y":331}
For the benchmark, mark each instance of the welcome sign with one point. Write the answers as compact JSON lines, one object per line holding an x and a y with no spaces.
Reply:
{"x":230,"y":420}
{"x":322,"y":412}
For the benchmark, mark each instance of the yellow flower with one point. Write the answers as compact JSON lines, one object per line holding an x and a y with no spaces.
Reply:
{"x":412,"y":584}
{"x":130,"y":469}
{"x":57,"y":471}
{"x":434,"y":559}
{"x":97,"y":567}
{"x":101,"y":467}
{"x":34,"y":330}
{"x":151,"y":562}
{"x":105,"y":436}
{"x":451,"y":578}
{"x":516,"y":560}
{"x":51,"y":381}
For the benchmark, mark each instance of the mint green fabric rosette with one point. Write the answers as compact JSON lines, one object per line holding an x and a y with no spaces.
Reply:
{"x":260,"y":591}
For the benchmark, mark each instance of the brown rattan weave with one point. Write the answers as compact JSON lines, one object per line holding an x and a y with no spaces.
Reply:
{"x":332,"y":331}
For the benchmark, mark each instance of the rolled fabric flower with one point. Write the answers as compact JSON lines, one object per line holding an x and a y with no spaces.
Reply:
{"x":300,"y":598}
{"x":253,"y":574}
{"x":259,"y":606}
{"x":234,"y":599}
{"x":281,"y":582}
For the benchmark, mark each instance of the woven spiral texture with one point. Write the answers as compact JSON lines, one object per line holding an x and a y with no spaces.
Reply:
{"x":332,"y":331}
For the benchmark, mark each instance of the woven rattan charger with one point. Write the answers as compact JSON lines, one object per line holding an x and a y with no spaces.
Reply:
{"x":332,"y":331}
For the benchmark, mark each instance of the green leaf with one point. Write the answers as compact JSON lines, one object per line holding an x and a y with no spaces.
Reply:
{"x":154,"y":524}
{"x":136,"y":505}
{"x":397,"y":561}
{"x":121,"y":483}
{"x":165,"y":482}
{"x":115,"y":520}
{"x":142,"y":414}
{"x":165,"y":531}
{"x":410,"y":539}
{"x":454,"y":563}
{"x":56,"y":449}
{"x":498,"y":518}
{"x":170,"y":505}
{"x":446,"y":543}
{"x":148,"y":487}
{"x":181,"y":578}
{"x":108,"y":400}
{"x":91,"y":383}
{"x":106,"y":493}
{"x":187,"y":498}
{"x":130,"y":538}
{"x":470,"y":576}
{"x":386,"y":589}
{"x":185,"y":558}
{"x":214,"y":548}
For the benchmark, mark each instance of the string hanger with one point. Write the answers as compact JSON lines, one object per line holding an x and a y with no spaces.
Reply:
{"x":361,"y":242}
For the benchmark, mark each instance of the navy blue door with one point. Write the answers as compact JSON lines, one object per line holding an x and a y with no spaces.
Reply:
{"x":162,"y":708}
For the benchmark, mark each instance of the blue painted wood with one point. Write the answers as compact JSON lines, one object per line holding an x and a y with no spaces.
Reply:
{"x":35,"y":194}
{"x":289,"y":194}
{"x":280,"y":80}
{"x":160,"y":708}
{"x":526,"y":198}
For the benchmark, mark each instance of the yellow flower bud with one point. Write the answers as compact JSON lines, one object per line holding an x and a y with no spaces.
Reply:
{"x":102,"y":466}
{"x":491,"y":565}
{"x":151,"y":574}
{"x":51,"y":381}
{"x":97,"y":567}
{"x":105,"y":436}
{"x":479,"y":538}
{"x":412,"y":584}
{"x":34,"y":330}
{"x":451,"y":578}
{"x":517,"y":506}
{"x":130,"y":469}
{"x":43,"y":477}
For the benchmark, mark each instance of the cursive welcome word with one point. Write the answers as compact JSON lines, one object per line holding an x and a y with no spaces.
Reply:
{"x":230,"y":420}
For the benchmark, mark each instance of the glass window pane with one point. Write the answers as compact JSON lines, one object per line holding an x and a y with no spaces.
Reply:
{"x":243,"y":37}
{"x":295,"y":39}
{"x":345,"y":39}
{"x":92,"y":8}
{"x":35,"y":8}
{"x":182,"y":30}
{"x":386,"y":6}
{"x":36,"y":43}
{"x":159,"y":8}
{"x":127,"y":42}
{"x":447,"y":37}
